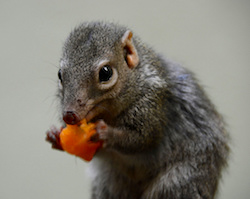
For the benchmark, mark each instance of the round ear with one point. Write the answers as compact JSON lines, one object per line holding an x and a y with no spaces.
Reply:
{"x":131,"y":55}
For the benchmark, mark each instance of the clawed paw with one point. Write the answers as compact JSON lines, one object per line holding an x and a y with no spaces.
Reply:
{"x":53,"y":136}
{"x":101,"y":132}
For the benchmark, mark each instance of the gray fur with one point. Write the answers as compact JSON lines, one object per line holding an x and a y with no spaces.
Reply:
{"x":165,"y":139}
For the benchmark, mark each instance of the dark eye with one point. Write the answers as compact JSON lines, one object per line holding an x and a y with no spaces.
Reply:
{"x":105,"y":73}
{"x":60,"y":75}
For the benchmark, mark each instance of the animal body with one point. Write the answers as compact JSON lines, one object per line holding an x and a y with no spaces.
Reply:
{"x":162,"y":137}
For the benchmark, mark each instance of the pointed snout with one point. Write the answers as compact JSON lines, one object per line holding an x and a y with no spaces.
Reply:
{"x":70,"y":117}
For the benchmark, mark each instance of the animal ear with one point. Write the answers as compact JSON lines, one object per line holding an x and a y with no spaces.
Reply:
{"x":131,"y":55}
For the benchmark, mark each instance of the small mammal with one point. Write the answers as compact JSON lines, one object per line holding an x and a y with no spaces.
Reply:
{"x":162,"y":137}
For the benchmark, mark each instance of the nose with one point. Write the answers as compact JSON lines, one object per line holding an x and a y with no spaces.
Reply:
{"x":70,"y":117}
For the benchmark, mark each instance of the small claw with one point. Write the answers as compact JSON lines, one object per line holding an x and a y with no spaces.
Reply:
{"x":101,"y":132}
{"x":53,"y":136}
{"x":95,"y":138}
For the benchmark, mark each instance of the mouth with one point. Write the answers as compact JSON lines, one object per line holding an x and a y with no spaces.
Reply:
{"x":91,"y":112}
{"x":95,"y":113}
{"x":72,"y":117}
{"x":91,"y":115}
{"x":102,"y":110}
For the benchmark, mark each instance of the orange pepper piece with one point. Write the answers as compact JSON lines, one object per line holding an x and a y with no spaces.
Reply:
{"x":75,"y":139}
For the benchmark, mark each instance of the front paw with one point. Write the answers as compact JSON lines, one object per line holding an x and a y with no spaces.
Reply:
{"x":53,"y":136}
{"x":102,"y":131}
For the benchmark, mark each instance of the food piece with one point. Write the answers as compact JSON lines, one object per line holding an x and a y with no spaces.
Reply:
{"x":75,"y":139}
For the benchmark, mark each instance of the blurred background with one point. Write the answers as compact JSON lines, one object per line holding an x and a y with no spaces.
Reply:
{"x":211,"y":38}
